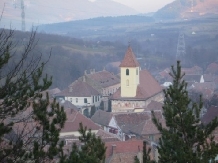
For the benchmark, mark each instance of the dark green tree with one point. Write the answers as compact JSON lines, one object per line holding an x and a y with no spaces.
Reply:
{"x":21,"y":87}
{"x":93,"y":110}
{"x":92,"y":149}
{"x":146,"y":155}
{"x":185,"y":138}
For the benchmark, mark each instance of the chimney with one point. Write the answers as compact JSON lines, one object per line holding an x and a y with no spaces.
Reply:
{"x":93,"y":71}
{"x":114,"y":149}
{"x":90,"y":71}
{"x":85,"y":72}
{"x":104,"y":69}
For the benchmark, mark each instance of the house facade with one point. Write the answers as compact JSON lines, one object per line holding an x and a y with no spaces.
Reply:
{"x":82,"y":95}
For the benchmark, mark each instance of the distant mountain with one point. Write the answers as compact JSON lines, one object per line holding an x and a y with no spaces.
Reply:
{"x":188,"y":9}
{"x":53,"y":11}
{"x":97,"y":26}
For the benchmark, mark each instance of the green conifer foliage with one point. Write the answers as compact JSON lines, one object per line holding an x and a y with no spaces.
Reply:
{"x":185,"y":139}
{"x":21,"y":84}
{"x":92,"y":149}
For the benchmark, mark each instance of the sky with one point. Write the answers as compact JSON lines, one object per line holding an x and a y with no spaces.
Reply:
{"x":145,"y":6}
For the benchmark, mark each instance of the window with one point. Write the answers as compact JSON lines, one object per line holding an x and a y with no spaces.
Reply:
{"x":127,"y":82}
{"x":151,"y":137}
{"x":85,"y":100}
{"x":95,"y":98}
{"x":137,"y":71}
{"x":70,"y":99}
{"x":127,"y":72}
{"x":76,"y":100}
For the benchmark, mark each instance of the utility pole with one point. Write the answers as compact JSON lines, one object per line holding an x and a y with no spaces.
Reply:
{"x":23,"y":27}
{"x":181,"y":51}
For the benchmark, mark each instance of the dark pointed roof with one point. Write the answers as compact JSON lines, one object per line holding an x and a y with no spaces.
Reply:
{"x":129,"y":59}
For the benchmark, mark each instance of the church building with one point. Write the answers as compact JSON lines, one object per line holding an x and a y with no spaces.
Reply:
{"x":138,"y":87}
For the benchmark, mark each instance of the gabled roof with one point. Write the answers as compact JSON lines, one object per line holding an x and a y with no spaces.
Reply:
{"x":192,"y":78}
{"x":139,"y":123}
{"x":74,"y":118}
{"x":103,"y":78}
{"x":106,"y":136}
{"x":101,"y":117}
{"x":154,"y":105}
{"x":147,"y":88}
{"x":124,"y":147}
{"x":212,"y":112}
{"x":205,"y":85}
{"x":129,"y":59}
{"x":208,"y":78}
{"x":192,"y":70}
{"x":129,"y":121}
{"x":79,"y":89}
{"x":212,"y":68}
{"x":122,"y":158}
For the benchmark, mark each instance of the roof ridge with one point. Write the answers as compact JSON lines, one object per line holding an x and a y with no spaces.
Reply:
{"x":74,"y":117}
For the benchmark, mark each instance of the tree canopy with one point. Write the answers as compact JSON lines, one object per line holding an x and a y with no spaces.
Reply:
{"x":185,"y":138}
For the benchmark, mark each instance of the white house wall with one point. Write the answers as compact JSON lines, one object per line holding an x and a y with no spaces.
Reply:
{"x":110,"y":90}
{"x":113,"y":124}
{"x":79,"y":101}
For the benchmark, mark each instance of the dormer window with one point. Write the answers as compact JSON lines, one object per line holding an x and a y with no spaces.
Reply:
{"x":127,"y":72}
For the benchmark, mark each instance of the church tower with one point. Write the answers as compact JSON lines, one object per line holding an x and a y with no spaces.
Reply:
{"x":129,"y":74}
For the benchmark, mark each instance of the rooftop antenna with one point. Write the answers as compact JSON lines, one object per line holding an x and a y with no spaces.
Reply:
{"x":23,"y":26}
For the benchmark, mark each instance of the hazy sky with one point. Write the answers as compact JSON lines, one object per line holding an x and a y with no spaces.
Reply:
{"x":145,"y":5}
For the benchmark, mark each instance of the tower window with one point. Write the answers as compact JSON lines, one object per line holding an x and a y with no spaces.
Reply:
{"x":127,"y":82}
{"x":127,"y":71}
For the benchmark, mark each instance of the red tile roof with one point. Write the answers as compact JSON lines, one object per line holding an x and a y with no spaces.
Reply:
{"x":124,"y":147}
{"x":129,"y":59}
{"x":106,"y":136}
{"x":154,"y":105}
{"x":131,"y":118}
{"x":102,"y":117}
{"x":212,"y":68}
{"x":147,"y":88}
{"x":79,"y":89}
{"x":212,"y":112}
{"x":208,"y":78}
{"x":74,"y":118}
{"x":103,"y":78}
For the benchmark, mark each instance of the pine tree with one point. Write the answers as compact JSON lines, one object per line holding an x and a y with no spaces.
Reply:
{"x":146,"y":154}
{"x":92,"y":149}
{"x":185,"y":139}
{"x":21,"y":84}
